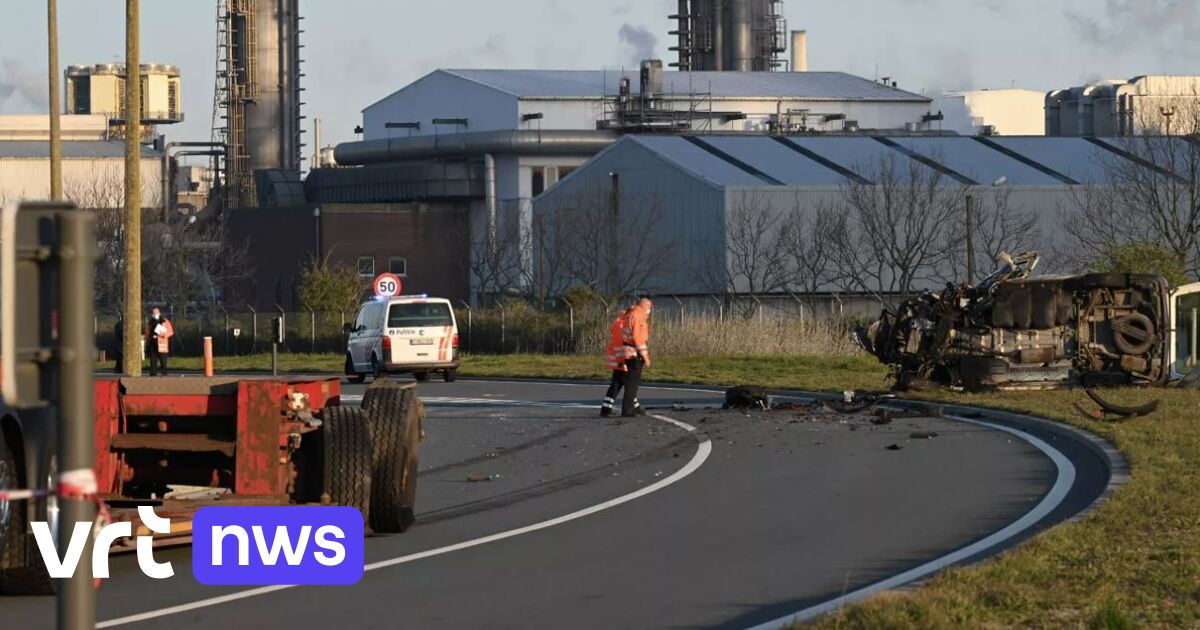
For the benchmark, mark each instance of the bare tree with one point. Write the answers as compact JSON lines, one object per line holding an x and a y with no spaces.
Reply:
{"x":810,"y":242}
{"x":1151,"y":193}
{"x":754,"y":244}
{"x":900,"y":227}
{"x":1002,"y":225}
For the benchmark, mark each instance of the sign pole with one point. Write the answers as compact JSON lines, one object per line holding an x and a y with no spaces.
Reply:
{"x":76,"y":390}
{"x":133,"y":191}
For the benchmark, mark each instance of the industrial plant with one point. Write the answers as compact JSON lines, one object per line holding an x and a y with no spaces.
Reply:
{"x":462,"y":158}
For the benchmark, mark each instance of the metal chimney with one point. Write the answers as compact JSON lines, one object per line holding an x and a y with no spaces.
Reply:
{"x":741,"y":26}
{"x":273,"y":122}
{"x":799,"y":51}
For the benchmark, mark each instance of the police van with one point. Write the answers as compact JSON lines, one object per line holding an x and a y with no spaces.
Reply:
{"x":415,"y":335}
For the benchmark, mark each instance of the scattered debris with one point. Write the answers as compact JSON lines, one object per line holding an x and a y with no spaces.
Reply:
{"x":895,"y":447}
{"x":923,"y":435}
{"x":481,"y":478}
{"x":747,"y":397}
{"x":1117,"y":411}
{"x":881,"y":417}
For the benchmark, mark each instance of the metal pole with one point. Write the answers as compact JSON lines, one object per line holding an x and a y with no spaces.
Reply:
{"x":56,"y":192}
{"x":970,"y":239}
{"x":133,"y":191}
{"x":76,"y":415}
{"x":274,"y":358}
{"x":313,"y":317}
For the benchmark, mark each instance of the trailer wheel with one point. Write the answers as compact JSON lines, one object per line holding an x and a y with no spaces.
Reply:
{"x":394,"y":414}
{"x":21,"y":568}
{"x":347,"y":461}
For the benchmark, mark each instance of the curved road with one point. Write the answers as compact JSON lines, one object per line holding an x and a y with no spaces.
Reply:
{"x":747,"y":520}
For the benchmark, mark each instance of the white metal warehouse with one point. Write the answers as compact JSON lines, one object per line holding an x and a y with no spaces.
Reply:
{"x":682,"y":193}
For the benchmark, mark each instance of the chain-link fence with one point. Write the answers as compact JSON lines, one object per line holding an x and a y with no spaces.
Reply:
{"x":691,"y":325}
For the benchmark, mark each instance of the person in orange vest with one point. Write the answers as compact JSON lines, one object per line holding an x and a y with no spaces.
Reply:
{"x":627,"y":354}
{"x":158,"y":341}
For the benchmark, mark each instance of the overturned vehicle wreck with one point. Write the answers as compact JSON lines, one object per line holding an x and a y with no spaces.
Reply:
{"x":1016,"y":331}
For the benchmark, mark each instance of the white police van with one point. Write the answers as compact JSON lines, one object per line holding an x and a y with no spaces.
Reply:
{"x":415,"y":335}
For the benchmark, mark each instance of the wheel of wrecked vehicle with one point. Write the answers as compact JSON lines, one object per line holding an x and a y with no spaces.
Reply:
{"x":450,"y":376}
{"x":347,"y":458}
{"x":1133,"y":334}
{"x":21,"y":569}
{"x":351,"y":375}
{"x":421,"y":376}
{"x":394,"y":416}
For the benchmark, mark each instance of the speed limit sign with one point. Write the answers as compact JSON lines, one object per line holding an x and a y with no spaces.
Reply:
{"x":387,"y":285}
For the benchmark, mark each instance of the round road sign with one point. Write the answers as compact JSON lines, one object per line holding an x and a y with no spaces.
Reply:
{"x":387,"y":285}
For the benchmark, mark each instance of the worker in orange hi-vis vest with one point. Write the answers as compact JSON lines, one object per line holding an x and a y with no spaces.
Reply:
{"x":627,"y":354}
{"x":158,"y":341}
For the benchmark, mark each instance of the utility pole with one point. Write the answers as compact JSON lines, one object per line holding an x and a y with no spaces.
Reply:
{"x":56,"y":192}
{"x":970,"y":239}
{"x":133,"y":191}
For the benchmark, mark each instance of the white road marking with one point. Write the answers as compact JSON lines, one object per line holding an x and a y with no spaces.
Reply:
{"x":703,"y":450}
{"x":1058,"y":492}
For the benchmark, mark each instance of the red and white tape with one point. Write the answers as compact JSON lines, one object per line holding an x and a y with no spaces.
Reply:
{"x":76,"y":485}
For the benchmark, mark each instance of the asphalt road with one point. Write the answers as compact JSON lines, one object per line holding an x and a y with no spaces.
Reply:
{"x":746,"y":520}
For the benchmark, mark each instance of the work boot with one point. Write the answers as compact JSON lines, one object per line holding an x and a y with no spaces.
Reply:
{"x":606,"y":412}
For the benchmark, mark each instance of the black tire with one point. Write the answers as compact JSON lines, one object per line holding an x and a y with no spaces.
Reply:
{"x":394,"y":414}
{"x":21,"y":569}
{"x":351,"y":375}
{"x":347,"y":458}
{"x":421,"y":377}
{"x":1133,"y":334}
{"x":450,"y":376}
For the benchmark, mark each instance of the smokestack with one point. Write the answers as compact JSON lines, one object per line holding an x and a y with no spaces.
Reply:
{"x":742,"y":27}
{"x":799,"y":51}
{"x":316,"y":163}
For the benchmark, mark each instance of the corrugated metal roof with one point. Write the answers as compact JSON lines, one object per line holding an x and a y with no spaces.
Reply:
{"x":596,"y":83}
{"x":71,"y":149}
{"x":827,"y":160}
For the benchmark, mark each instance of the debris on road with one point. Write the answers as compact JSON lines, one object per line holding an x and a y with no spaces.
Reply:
{"x":747,"y":397}
{"x":481,"y":478}
{"x":895,"y":447}
{"x":923,"y":435}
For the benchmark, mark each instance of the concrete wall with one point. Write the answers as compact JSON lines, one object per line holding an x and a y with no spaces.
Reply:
{"x":441,"y":95}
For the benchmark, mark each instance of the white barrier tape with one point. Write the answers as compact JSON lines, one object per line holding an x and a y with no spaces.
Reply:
{"x":77,"y":484}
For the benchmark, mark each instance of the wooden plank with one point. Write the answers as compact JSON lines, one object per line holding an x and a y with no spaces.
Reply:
{"x":178,"y":442}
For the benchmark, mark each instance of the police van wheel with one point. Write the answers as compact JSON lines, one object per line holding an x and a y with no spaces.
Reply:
{"x":421,"y":376}
{"x":351,"y":375}
{"x":347,"y":458}
{"x":450,"y":376}
{"x":21,"y":568}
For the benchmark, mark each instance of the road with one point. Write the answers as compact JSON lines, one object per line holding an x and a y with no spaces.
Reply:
{"x":608,"y":523}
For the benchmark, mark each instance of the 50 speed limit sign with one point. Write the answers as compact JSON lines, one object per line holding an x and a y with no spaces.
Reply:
{"x":387,"y":285}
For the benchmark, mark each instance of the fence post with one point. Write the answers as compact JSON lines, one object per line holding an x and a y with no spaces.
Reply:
{"x":313,"y":319}
{"x":760,"y":307}
{"x":253,"y":329}
{"x":503,"y":326}
{"x":720,"y":308}
{"x":226,"y":335}
{"x":570,"y":322}
{"x":282,"y":325}
{"x":679,"y":303}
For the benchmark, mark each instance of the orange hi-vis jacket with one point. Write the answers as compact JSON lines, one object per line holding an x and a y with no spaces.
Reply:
{"x":163,"y":341}
{"x":629,"y":336}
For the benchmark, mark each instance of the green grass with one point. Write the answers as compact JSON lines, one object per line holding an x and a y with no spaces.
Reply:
{"x":1133,"y":563}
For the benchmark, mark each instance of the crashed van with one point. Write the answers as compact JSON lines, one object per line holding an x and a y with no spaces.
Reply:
{"x":1019,"y":331}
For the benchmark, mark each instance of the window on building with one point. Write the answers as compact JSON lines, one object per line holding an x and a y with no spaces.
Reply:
{"x":563,"y":171}
{"x":539,"y":180}
{"x":366,"y":266}
{"x":398,"y":265}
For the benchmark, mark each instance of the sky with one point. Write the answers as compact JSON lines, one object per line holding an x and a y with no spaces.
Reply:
{"x":358,"y":51}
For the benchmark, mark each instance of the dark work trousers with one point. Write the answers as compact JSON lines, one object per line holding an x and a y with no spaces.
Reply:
{"x":628,"y":380}
{"x":158,"y":362}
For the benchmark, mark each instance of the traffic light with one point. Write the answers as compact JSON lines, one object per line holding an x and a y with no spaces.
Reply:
{"x":30,"y":285}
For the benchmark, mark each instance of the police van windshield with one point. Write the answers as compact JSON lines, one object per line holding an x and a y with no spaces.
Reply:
{"x":419,"y":315}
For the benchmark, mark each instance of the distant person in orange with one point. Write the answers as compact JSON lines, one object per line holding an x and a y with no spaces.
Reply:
{"x":628,"y":353}
{"x":158,"y":341}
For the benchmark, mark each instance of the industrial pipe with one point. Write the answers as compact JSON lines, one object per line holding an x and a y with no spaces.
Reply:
{"x":799,"y":51}
{"x":741,"y":25}
{"x":489,"y":174}
{"x":522,"y":142}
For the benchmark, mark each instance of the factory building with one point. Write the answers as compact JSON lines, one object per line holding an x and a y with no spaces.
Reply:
{"x":1145,"y":104}
{"x":1005,"y":112}
{"x":100,"y":90}
{"x":36,"y":127}
{"x":681,"y":197}
{"x":93,"y":172}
